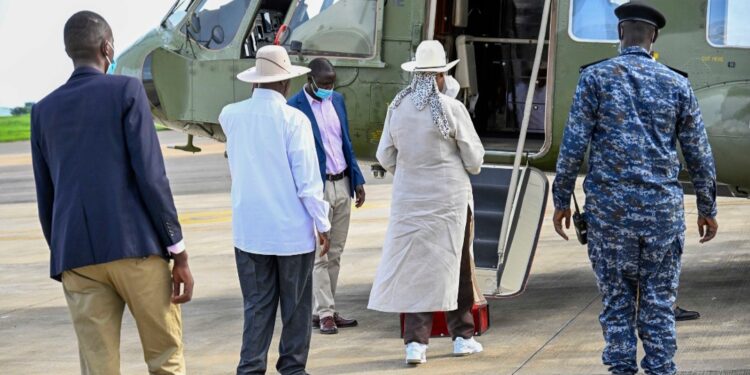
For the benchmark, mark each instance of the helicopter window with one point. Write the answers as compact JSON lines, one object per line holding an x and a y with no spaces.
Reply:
{"x":727,"y":23}
{"x":176,"y":14}
{"x":214,"y":23}
{"x":594,"y":20}
{"x":334,"y":27}
{"x":263,"y":31}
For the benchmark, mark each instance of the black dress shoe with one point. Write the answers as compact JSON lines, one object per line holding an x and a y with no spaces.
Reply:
{"x":328,"y":326}
{"x":316,"y":321}
{"x":342,"y":322}
{"x":681,"y":315}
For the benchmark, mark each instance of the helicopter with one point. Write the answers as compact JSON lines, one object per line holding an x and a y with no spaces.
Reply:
{"x":518,"y":69}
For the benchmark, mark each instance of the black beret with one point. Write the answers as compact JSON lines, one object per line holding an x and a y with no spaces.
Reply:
{"x":638,"y":11}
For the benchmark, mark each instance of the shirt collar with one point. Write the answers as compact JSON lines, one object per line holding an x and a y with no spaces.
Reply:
{"x":635,"y":50}
{"x":266,"y":94}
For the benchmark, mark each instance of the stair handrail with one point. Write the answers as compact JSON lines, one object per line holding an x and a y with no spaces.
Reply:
{"x":511,"y":202}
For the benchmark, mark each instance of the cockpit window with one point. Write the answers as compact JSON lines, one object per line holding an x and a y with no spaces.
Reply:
{"x":594,"y":20}
{"x":334,"y":27}
{"x":727,"y":23}
{"x":176,"y":14}
{"x":214,"y":23}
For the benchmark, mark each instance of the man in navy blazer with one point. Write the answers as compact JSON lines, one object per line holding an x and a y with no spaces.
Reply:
{"x":343,"y":180}
{"x":106,"y":208}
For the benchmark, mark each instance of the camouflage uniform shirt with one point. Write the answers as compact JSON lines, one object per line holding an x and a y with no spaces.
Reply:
{"x":631,"y":111}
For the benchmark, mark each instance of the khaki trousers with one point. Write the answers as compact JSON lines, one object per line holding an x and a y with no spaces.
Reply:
{"x":326,"y":270}
{"x":97,"y":296}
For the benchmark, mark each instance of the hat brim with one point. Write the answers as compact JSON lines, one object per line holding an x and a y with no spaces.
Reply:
{"x":411,"y":66}
{"x":252,"y":76}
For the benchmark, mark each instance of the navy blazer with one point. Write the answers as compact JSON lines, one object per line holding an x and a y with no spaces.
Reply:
{"x":300,"y":102}
{"x":101,"y":186}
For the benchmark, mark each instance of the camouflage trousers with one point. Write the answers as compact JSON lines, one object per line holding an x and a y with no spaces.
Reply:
{"x":638,"y":279}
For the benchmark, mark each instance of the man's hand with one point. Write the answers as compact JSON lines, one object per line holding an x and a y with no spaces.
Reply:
{"x":325,"y":243}
{"x":707,"y":228}
{"x":557,"y":221}
{"x":181,"y":276}
{"x":360,"y":192}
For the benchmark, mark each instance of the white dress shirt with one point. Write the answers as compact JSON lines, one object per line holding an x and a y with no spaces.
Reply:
{"x":277,"y":193}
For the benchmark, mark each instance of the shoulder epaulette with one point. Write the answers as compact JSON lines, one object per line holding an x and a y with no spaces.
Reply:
{"x":680,"y":72}
{"x":589,"y":64}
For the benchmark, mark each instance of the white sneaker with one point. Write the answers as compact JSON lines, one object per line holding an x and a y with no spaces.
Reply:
{"x":462,"y":347}
{"x":416,"y":353}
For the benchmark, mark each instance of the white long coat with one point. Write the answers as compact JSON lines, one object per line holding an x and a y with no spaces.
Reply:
{"x":420,"y":268}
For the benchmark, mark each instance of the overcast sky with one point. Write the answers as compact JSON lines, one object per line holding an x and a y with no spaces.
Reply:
{"x":34,"y":62}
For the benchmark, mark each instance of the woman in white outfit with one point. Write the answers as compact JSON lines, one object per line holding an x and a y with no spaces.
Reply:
{"x":430,"y":145}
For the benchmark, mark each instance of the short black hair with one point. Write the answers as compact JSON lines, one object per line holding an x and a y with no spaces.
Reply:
{"x":320,"y":66}
{"x":636,"y":32}
{"x":84,"y":33}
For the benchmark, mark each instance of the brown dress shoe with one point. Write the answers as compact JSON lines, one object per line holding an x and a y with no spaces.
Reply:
{"x":328,"y":326}
{"x":342,"y":322}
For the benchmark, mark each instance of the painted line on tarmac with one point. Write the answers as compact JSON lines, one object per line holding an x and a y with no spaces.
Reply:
{"x":205,"y":217}
{"x":225,"y":216}
{"x":11,"y":160}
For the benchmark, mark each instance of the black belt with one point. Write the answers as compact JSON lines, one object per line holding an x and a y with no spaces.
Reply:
{"x":336,"y":177}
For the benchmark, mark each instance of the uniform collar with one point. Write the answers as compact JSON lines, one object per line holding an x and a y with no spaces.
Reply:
{"x":270,"y":95}
{"x":635,"y":50}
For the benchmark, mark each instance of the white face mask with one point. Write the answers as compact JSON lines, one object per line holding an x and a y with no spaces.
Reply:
{"x":451,"y":87}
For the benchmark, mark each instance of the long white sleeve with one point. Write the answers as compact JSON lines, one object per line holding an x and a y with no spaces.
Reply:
{"x":387,"y":152}
{"x":303,"y":162}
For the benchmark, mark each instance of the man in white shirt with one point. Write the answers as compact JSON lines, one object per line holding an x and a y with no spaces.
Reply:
{"x":277,"y":205}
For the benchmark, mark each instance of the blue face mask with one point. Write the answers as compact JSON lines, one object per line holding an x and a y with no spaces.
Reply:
{"x":321,"y":93}
{"x":112,"y":66}
{"x":112,"y":63}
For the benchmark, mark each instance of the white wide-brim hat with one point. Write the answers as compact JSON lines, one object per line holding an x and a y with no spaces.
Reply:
{"x":272,"y":64}
{"x":430,"y":57}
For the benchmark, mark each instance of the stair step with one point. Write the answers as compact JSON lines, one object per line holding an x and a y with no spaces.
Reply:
{"x":490,"y":189}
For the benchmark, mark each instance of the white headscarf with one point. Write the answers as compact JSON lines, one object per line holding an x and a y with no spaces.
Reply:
{"x":423,"y":91}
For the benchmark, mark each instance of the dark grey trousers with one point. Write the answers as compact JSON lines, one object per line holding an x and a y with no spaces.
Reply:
{"x":266,"y":281}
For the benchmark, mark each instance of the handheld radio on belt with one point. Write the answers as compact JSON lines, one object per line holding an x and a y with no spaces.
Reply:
{"x":580,"y":224}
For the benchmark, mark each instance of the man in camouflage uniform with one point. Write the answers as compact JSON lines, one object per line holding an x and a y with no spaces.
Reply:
{"x":631,"y":111}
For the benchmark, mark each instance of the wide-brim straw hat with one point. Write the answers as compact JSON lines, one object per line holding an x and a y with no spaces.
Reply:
{"x":430,"y":57}
{"x":272,"y":64}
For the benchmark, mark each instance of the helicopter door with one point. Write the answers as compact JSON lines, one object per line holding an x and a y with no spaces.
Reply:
{"x":169,"y":76}
{"x":504,"y":273}
{"x":495,"y":42}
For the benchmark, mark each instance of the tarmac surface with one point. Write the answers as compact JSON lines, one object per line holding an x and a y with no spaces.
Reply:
{"x":550,"y":329}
